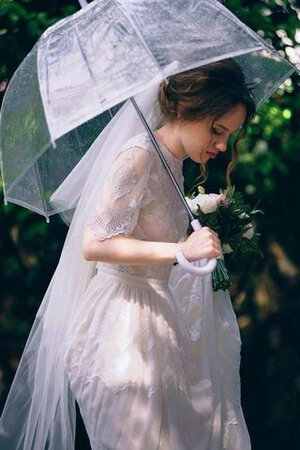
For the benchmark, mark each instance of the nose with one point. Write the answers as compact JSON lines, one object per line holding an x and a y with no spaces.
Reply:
{"x":221,"y":144}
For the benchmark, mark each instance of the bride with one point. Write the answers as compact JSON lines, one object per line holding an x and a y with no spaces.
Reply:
{"x":150,"y":353}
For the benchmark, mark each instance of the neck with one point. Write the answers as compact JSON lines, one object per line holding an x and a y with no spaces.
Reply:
{"x":170,"y":138}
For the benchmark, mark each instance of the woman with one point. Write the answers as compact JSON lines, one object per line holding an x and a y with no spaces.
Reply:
{"x":131,"y":363}
{"x":150,"y":353}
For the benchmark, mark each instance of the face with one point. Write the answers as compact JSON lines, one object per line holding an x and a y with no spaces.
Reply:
{"x":205,"y":139}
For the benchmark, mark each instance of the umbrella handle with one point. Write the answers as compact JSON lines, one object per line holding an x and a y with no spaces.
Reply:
{"x":188,"y":266}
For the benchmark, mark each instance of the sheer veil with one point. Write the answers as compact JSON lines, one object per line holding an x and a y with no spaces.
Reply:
{"x":40,"y":408}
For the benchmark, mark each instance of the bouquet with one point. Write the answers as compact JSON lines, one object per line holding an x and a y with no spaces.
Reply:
{"x":231,"y":218}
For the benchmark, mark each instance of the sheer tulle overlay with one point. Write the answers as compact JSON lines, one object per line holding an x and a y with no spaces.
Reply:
{"x":153,"y":355}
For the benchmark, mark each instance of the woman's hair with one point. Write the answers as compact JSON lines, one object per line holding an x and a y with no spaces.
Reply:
{"x":210,"y":90}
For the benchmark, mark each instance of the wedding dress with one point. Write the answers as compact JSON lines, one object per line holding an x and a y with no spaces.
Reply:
{"x":145,"y":364}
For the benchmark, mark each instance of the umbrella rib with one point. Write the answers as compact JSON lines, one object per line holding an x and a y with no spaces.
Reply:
{"x":273,"y":89}
{"x":40,"y":187}
{"x":28,"y":166}
{"x":84,"y":56}
{"x":138,"y":33}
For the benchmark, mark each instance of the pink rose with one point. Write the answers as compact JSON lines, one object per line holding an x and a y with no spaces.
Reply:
{"x":218,"y":197}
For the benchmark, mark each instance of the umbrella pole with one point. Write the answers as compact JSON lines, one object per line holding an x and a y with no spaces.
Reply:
{"x":209,"y":264}
{"x":162,"y":158}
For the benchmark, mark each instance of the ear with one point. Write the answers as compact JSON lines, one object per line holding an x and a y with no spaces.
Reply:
{"x":179,"y":119}
{"x":175,"y":114}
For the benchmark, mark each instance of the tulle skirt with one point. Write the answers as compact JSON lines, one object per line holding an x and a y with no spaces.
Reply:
{"x":142,"y":382}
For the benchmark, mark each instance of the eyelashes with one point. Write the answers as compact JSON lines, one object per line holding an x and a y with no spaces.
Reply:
{"x":216,"y":131}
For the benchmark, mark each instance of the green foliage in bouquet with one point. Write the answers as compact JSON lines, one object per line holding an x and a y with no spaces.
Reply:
{"x":232,"y":219}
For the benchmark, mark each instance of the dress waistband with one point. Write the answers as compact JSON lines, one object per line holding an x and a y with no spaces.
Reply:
{"x":134,"y":279}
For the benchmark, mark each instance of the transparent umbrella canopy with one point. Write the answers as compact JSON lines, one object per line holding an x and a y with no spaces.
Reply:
{"x":83,"y":68}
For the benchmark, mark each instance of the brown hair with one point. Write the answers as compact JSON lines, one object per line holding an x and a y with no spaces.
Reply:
{"x":210,"y":90}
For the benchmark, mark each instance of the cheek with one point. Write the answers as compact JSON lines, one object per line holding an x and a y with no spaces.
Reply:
{"x":201,"y":140}
{"x":197,"y":142}
{"x":204,"y":142}
{"x":209,"y":138}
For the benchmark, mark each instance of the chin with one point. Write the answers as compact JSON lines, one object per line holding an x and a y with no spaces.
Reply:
{"x":198,"y":159}
{"x":203,"y":158}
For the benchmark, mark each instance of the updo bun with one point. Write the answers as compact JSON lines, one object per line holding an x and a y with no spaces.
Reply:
{"x":167,"y":101}
{"x":210,"y":90}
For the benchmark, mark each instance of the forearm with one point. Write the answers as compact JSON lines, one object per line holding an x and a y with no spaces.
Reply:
{"x":131,"y":251}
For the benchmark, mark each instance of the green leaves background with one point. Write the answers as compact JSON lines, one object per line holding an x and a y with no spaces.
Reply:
{"x":265,"y":292}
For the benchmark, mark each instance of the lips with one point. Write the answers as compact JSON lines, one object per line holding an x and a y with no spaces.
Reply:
{"x":212,"y":155}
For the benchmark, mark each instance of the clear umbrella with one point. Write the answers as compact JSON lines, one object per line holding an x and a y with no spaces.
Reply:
{"x":84,"y":67}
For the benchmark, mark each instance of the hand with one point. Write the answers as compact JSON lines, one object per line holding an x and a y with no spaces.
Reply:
{"x":203,"y":243}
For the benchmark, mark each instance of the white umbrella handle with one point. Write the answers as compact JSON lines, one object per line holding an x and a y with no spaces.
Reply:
{"x":83,"y":3}
{"x":188,"y":266}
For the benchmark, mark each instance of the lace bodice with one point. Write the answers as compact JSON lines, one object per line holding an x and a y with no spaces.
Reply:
{"x":139,"y":200}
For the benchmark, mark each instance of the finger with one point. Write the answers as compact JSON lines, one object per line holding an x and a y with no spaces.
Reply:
{"x":216,"y":239}
{"x":213,"y":232}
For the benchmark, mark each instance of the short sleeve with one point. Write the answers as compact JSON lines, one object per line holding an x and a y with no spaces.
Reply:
{"x":120,"y":201}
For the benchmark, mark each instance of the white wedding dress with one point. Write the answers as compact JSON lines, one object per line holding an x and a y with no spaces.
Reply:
{"x":153,"y":358}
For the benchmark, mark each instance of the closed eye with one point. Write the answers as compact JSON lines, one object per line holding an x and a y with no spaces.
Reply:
{"x":217,"y":132}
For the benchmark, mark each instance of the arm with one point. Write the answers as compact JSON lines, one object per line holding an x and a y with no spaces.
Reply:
{"x":107,"y":235}
{"x":203,"y":243}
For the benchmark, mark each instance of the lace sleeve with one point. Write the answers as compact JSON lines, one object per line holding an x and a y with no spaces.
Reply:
{"x":118,"y":207}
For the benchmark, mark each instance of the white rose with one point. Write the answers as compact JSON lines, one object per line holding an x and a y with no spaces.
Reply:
{"x":226,"y":248}
{"x":208,"y":203}
{"x":249,"y":233}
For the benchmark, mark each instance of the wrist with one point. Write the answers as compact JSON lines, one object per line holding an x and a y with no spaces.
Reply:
{"x":180,"y":247}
